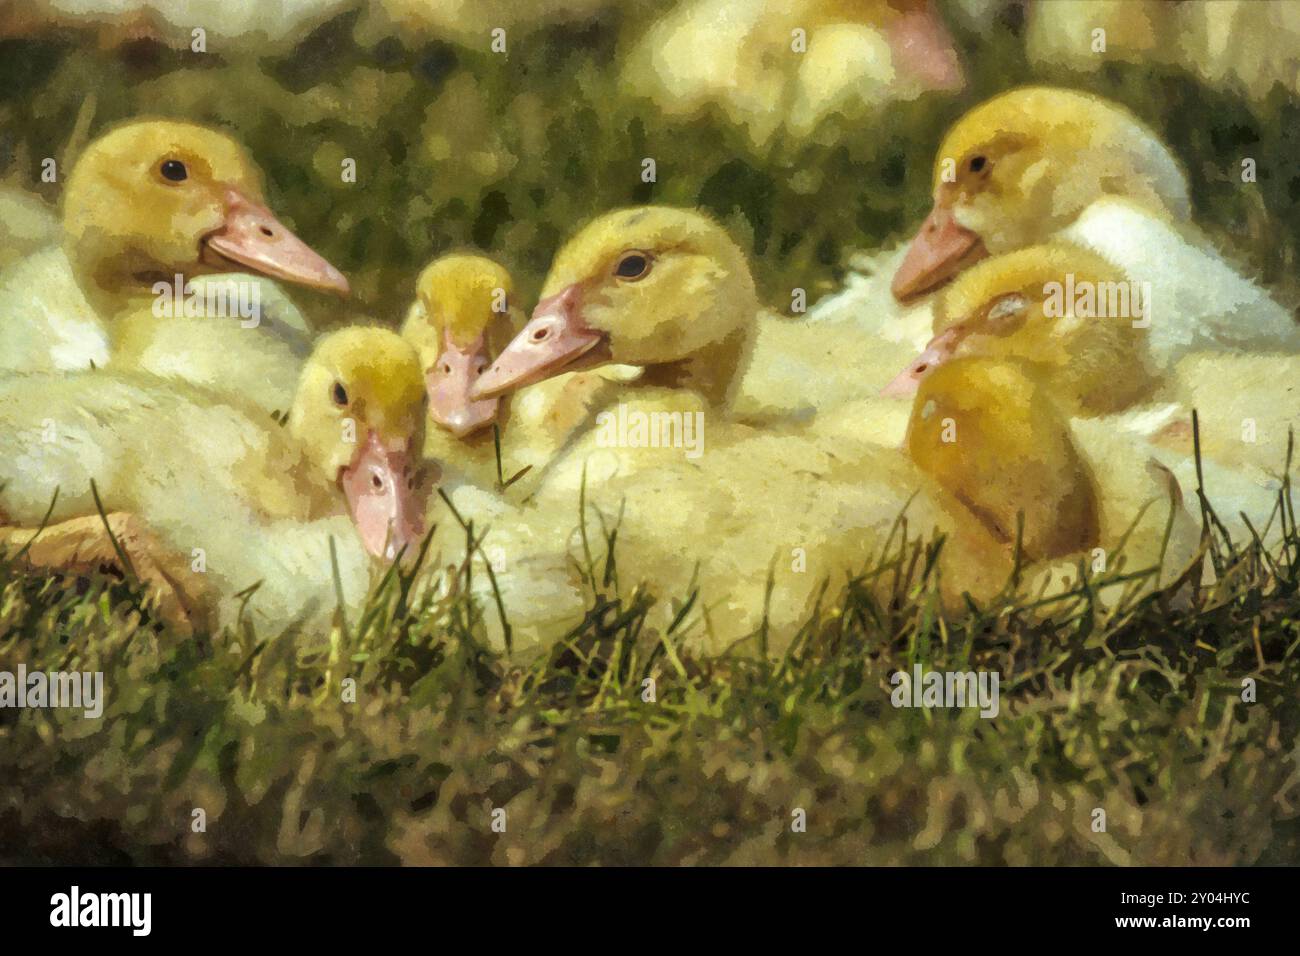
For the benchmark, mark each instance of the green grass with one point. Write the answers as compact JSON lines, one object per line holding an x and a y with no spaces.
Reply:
{"x":1135,"y":709}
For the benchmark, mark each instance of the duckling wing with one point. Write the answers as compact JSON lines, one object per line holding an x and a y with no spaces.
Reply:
{"x":1197,"y":300}
{"x":27,"y":225}
{"x":46,"y":324}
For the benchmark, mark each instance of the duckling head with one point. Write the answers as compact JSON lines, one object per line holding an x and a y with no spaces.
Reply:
{"x":648,"y":286}
{"x":1025,"y":164}
{"x":156,"y":198}
{"x":1057,"y":307}
{"x":990,"y":436}
{"x":359,"y":417}
{"x":460,"y":319}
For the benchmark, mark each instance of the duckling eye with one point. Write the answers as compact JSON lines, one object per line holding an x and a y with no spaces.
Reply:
{"x":978,"y":163}
{"x":634,"y":265}
{"x":1006,"y":313}
{"x":446,"y":368}
{"x":339,"y":394}
{"x":174,"y":170}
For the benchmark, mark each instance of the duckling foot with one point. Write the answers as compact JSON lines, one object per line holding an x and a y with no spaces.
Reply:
{"x":83,"y":546}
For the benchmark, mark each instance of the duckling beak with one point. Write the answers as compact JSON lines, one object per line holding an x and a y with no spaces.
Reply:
{"x":922,"y":46}
{"x":449,"y":383}
{"x":939,"y":350}
{"x":252,"y":238}
{"x":942,"y":248}
{"x":555,"y":340}
{"x":386,"y":498}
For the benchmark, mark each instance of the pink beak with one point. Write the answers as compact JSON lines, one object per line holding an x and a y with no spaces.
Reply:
{"x":555,"y":340}
{"x":449,"y":383}
{"x":252,"y":238}
{"x":942,"y":248}
{"x":923,"y":48}
{"x":939,"y":350}
{"x":385,"y":499}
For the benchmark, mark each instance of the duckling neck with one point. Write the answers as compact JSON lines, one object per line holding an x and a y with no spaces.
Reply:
{"x":714,"y":371}
{"x":117,"y":285}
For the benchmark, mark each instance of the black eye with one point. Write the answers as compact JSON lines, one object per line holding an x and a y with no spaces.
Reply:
{"x":174,"y":170}
{"x":632,"y":266}
{"x":339,"y":394}
{"x":977,"y":164}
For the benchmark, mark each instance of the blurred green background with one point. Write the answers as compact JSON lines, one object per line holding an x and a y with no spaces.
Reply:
{"x":458,"y":146}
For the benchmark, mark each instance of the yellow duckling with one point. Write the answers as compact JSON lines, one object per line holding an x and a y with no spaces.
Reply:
{"x":460,"y":319}
{"x":217,"y":495}
{"x":774,"y":65}
{"x":1013,"y":308}
{"x":149,"y":206}
{"x":1038,"y":163}
{"x":992,"y":437}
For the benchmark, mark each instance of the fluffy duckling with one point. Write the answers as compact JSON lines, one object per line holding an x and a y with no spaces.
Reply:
{"x":991,"y":436}
{"x":460,"y":319}
{"x":147,"y":202}
{"x":772,"y":66}
{"x":230,"y":499}
{"x":1019,"y":307}
{"x":1038,"y":163}
{"x":1242,"y":45}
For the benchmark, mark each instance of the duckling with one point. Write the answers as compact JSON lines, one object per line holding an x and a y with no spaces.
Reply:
{"x":786,"y":67}
{"x":461,"y":317}
{"x":1040,"y":162}
{"x":1136,"y":31}
{"x":146,"y":203}
{"x":992,"y":437}
{"x":1052,"y":309}
{"x":1245,"y":47}
{"x":228,"y":498}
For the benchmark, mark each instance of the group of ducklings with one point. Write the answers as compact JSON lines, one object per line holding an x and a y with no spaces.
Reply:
{"x":955,"y":386}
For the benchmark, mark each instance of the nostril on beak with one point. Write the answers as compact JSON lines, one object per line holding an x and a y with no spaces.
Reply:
{"x":540,"y":335}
